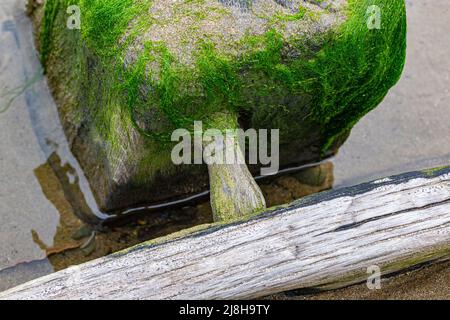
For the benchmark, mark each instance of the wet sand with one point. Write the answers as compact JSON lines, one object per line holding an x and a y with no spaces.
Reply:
{"x":22,"y":205}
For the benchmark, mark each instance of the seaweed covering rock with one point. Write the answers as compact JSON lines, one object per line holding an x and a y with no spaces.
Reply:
{"x":138,"y":69}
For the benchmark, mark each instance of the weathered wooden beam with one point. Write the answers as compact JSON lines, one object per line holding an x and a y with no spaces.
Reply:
{"x":324,"y":241}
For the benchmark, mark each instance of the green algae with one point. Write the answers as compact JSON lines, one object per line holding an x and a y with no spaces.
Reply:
{"x":51,"y":10}
{"x":434,"y":171}
{"x":354,"y":73}
{"x":329,"y":88}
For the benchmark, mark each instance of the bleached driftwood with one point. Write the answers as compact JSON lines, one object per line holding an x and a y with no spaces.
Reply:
{"x":324,"y":241}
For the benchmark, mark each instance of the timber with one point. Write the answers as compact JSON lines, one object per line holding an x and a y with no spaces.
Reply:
{"x":234,"y":191}
{"x":326,"y":241}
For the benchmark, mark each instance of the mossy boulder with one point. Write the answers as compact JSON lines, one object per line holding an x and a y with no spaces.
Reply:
{"x":139,"y":69}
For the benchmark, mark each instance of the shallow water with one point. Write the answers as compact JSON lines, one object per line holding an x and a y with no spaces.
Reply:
{"x":408,"y":131}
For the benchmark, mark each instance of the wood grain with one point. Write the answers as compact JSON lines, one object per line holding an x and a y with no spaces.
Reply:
{"x":324,"y":241}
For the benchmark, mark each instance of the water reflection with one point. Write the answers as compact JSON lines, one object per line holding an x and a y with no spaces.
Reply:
{"x":64,"y":193}
{"x":67,"y":186}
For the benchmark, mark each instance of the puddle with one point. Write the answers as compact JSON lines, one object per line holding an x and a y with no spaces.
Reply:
{"x":44,"y":196}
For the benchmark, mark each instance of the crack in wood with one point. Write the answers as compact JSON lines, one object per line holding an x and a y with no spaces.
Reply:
{"x":362,"y":222}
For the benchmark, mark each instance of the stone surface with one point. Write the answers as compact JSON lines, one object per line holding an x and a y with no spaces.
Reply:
{"x":311,"y":70}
